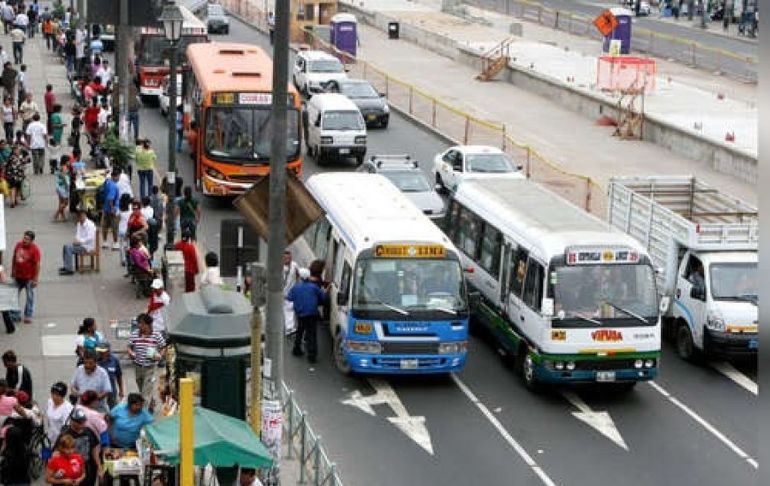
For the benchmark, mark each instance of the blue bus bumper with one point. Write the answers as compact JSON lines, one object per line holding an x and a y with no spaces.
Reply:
{"x":406,"y":364}
{"x":547,"y":375}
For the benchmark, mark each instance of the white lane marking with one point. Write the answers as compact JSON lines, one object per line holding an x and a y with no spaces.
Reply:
{"x":504,"y":433}
{"x":710,"y":428}
{"x":734,"y":374}
{"x":600,"y":421}
{"x":413,"y":426}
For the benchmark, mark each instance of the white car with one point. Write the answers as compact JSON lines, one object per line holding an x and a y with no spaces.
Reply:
{"x":314,"y":69}
{"x":163,"y":98}
{"x":463,"y":162}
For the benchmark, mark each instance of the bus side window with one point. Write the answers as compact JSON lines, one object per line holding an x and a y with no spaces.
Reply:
{"x":468,"y":233}
{"x":338,"y":262}
{"x":489,"y":254}
{"x":452,"y":221}
{"x":345,"y":279}
{"x":533,"y":285}
{"x":322,"y":239}
{"x":332,"y":264}
{"x":309,"y":234}
{"x":518,"y":270}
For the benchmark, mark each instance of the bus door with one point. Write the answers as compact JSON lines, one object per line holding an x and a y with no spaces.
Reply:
{"x":503,"y":281}
{"x":517,"y":271}
{"x":530,"y":317}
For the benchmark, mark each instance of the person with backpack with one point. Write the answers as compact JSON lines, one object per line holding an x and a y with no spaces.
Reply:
{"x":17,"y":376}
{"x":107,"y":199}
{"x":188,"y":211}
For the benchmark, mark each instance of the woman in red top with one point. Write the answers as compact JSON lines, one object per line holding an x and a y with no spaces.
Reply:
{"x":137,"y":223}
{"x":65,"y":466}
{"x":91,"y":117}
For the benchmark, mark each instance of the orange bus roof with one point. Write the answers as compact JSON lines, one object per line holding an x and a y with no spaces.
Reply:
{"x":230,"y":66}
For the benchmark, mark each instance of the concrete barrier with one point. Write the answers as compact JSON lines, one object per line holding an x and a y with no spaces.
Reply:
{"x":719,"y":156}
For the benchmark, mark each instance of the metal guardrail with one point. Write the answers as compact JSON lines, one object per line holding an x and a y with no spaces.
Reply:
{"x":303,"y":442}
{"x":654,"y":43}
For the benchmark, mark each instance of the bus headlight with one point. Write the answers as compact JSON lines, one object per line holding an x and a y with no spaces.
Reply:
{"x":649,"y":363}
{"x":453,"y":348}
{"x":360,"y":140}
{"x":559,"y":365}
{"x":327,"y":140}
{"x":638,"y":363}
{"x":368,"y":347}
{"x":570,"y":365}
{"x":211,"y":172}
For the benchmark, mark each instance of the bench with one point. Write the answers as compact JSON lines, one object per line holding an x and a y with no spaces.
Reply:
{"x":93,"y":256}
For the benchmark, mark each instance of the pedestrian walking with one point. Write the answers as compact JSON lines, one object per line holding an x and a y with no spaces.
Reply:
{"x":10,"y":327}
{"x":21,"y":83}
{"x":80,"y":49}
{"x":212,"y":274}
{"x":132,"y":109}
{"x":9,"y":118}
{"x":145,"y":158}
{"x":9,"y":15}
{"x":306,"y":297}
{"x":62,"y":188}
{"x":49,"y":100}
{"x":27,"y":110}
{"x":88,"y":376}
{"x":8,"y":80}
{"x":290,"y":279}
{"x":158,"y":206}
{"x":37,"y":139}
{"x":15,"y":465}
{"x":17,"y":42}
{"x":70,"y":51}
{"x":57,"y":411}
{"x":17,"y":376}
{"x":111,"y":365}
{"x":179,"y":128}
{"x":14,"y":172}
{"x":145,"y":348}
{"x":188,"y":211}
{"x":158,"y":305}
{"x":271,"y":26}
{"x":26,"y":270}
{"x":76,"y":440}
{"x":190,"y":255}
{"x":57,"y":126}
{"x":110,"y":209}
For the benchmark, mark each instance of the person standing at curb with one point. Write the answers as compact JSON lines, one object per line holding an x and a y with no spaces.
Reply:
{"x":111,"y":365}
{"x":9,"y":118}
{"x":26,"y":271}
{"x":188,"y":210}
{"x":145,"y":348}
{"x":145,"y":166}
{"x":110,"y":209}
{"x":306,"y":297}
{"x":37,"y":138}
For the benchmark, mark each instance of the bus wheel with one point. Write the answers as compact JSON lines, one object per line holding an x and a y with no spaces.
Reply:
{"x":340,"y":361}
{"x":685,"y":346}
{"x":526,"y":365}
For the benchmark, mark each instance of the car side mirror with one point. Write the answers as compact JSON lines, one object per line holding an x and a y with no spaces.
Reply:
{"x":382,"y":95}
{"x":347,"y":69}
{"x":547,"y":308}
{"x":317,"y":122}
{"x":342,"y":298}
{"x":520,"y":167}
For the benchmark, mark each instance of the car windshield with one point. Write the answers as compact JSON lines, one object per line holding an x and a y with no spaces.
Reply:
{"x":342,"y":120}
{"x":599,"y":293}
{"x":488,"y":163}
{"x":244,"y":134}
{"x":734,"y":281}
{"x":408,"y":180}
{"x":406,"y":285}
{"x":153,"y":49}
{"x":358,"y":90}
{"x":326,"y":66}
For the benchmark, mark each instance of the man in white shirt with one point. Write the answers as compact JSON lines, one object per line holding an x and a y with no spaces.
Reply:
{"x":85,"y":241}
{"x":104,"y":115}
{"x":104,"y":73}
{"x":22,"y":21}
{"x":37,"y":138}
{"x":248,"y":477}
{"x":17,"y":41}
{"x":80,"y":49}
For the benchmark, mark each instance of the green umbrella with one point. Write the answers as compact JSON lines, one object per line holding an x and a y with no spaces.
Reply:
{"x":220,"y":440}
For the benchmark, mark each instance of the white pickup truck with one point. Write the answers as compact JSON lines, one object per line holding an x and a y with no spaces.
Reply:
{"x":704,"y":244}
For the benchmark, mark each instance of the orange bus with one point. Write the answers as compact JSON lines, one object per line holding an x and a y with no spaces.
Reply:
{"x":152,"y":53}
{"x":227,"y":105}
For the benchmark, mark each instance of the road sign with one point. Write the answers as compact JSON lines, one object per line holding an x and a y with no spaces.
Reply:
{"x":606,"y":22}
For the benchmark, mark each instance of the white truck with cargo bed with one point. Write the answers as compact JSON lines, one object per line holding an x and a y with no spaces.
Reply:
{"x":704,"y":245}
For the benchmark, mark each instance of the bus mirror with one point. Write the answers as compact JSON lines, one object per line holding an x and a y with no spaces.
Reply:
{"x":468,"y":269}
{"x":342,"y":298}
{"x":547,"y":308}
{"x":665,"y":301}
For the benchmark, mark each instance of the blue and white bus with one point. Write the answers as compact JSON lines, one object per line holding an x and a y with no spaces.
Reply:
{"x":398,"y":297}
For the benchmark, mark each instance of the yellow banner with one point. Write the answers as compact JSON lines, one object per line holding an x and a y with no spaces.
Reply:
{"x":409,"y":251}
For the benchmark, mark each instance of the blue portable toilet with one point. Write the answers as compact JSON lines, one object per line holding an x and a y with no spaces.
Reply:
{"x":344,"y":33}
{"x":622,"y":32}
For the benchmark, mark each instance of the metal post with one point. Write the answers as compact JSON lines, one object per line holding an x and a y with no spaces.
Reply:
{"x":276,"y":242}
{"x":433,"y":114}
{"x":255,"y":412}
{"x":529,"y":159}
{"x":317,"y":459}
{"x":171,"y":172}
{"x":302,"y":447}
{"x":186,"y":426}
{"x":411,"y":96}
{"x":704,"y":4}
{"x":467,"y":130}
{"x":123,"y":56}
{"x":290,"y":442}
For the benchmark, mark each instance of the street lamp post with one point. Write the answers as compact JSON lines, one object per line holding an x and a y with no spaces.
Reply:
{"x":172,"y":20}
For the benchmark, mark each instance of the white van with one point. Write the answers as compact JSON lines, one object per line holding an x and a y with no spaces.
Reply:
{"x":334,"y":128}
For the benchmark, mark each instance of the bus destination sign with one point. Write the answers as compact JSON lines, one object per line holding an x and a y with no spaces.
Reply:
{"x":409,"y":251}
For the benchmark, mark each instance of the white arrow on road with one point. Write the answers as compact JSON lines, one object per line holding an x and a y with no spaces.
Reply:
{"x":601,"y":421}
{"x":413,"y":426}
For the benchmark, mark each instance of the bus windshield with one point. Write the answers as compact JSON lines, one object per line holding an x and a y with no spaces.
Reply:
{"x":592,"y":295}
{"x":153,"y":51}
{"x":244,"y":134}
{"x":408,"y":286}
{"x":734,"y":281}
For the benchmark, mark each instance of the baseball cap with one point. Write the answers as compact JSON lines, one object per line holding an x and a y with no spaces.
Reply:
{"x":103,"y":346}
{"x":157,"y":284}
{"x":78,"y":415}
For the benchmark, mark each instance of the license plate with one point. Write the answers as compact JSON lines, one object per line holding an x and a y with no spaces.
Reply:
{"x":409,"y":364}
{"x":344,"y":151}
{"x":753,"y":344}
{"x":605,"y":376}
{"x":371,"y":117}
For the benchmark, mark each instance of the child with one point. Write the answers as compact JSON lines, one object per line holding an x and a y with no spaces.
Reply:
{"x":211,"y":275}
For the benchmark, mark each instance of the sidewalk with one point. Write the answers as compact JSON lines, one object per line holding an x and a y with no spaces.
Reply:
{"x":563,"y":136}
{"x":47,"y":346}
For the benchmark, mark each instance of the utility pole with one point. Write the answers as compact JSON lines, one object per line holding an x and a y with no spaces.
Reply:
{"x":257,"y":301}
{"x":704,"y":5}
{"x":123,"y":56}
{"x":276,"y":242}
